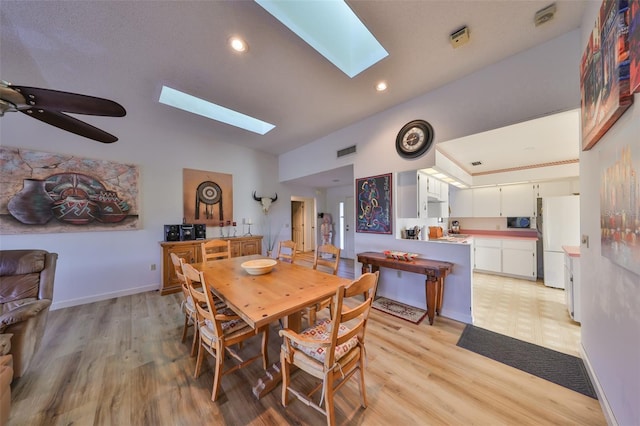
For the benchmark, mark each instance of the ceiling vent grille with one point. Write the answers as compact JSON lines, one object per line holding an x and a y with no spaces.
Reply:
{"x":476,"y":163}
{"x":346,"y":151}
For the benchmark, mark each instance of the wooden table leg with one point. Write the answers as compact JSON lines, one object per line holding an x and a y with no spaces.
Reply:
{"x":440,"y":295}
{"x":273,"y":374}
{"x":431,"y":290}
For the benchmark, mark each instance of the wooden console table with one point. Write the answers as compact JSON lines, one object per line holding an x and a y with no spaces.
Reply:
{"x":434,"y":270}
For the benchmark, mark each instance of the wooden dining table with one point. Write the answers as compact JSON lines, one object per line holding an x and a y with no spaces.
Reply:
{"x":260,"y":300}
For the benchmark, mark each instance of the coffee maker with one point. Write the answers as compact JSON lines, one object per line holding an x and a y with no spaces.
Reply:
{"x":455,"y":227}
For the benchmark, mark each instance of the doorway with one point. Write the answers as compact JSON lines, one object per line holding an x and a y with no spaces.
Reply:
{"x":297,"y":223}
{"x":346,"y":227}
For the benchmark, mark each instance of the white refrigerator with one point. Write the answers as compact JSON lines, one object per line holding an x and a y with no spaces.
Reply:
{"x":560,"y":227}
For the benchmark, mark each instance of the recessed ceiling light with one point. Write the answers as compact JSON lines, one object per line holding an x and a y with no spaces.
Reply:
{"x":381,"y":86}
{"x":348,"y":44}
{"x":238,"y":44}
{"x":189,"y":103}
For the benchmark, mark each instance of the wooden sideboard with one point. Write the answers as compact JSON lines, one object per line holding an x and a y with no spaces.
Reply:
{"x":190,"y":251}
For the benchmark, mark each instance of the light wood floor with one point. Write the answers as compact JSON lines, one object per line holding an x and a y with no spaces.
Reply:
{"x":121,"y":362}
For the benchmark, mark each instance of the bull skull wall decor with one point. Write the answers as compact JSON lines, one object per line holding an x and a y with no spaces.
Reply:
{"x":265,"y":201}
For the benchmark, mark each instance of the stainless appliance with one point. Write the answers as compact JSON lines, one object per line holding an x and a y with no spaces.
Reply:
{"x":455,"y":227}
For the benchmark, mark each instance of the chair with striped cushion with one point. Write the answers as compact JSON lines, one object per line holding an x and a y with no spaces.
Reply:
{"x":326,"y":259}
{"x":331,"y":350}
{"x":187,"y":305}
{"x":219,"y":330}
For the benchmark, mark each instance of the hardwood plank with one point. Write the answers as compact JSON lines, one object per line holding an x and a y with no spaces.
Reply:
{"x":122,"y":362}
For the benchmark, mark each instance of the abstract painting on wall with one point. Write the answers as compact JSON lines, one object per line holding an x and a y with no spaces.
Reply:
{"x":373,"y":209}
{"x":620,"y":206}
{"x":634,"y":45}
{"x":207,"y":197}
{"x":604,"y":72}
{"x":44,"y":192}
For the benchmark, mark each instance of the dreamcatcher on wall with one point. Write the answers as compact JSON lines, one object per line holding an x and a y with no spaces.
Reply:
{"x":208,"y":197}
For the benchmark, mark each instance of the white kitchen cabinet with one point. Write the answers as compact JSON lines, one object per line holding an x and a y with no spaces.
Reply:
{"x":433,"y":197}
{"x":519,"y":258}
{"x":572,"y":285}
{"x":460,"y":202}
{"x":517,"y":200}
{"x":506,"y":256}
{"x":488,"y":254}
{"x":486,"y":201}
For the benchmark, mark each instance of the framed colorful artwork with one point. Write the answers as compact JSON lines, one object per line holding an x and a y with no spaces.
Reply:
{"x":207,"y":197}
{"x":604,"y":72}
{"x":373,"y":209}
{"x":634,"y":45}
{"x":620,"y":206}
{"x":52,"y":193}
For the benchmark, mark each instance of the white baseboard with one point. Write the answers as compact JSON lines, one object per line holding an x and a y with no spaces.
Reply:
{"x":602,"y":398}
{"x":458,"y":316}
{"x":104,"y":296}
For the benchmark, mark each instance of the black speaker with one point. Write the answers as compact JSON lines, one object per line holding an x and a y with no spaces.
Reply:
{"x":186,"y":233}
{"x":172,"y":232}
{"x":200,"y":231}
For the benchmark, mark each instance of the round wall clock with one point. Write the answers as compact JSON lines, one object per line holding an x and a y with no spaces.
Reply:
{"x":414,"y":139}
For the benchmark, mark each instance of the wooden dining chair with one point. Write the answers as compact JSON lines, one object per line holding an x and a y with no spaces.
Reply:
{"x":215,"y":249}
{"x":326,"y":259}
{"x":187,"y":306}
{"x":333,"y":350}
{"x":286,"y":251}
{"x":219,"y":330}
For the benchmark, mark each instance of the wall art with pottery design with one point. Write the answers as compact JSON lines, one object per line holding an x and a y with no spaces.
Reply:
{"x":48,"y":193}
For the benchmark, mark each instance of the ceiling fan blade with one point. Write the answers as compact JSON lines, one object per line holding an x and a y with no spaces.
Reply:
{"x":70,"y":124}
{"x":69,"y":102}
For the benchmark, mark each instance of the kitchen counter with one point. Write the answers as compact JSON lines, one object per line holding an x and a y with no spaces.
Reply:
{"x":572,"y":251}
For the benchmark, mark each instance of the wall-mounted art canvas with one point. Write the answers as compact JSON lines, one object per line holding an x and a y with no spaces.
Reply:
{"x":208,"y":197}
{"x":373,"y":208}
{"x":620,"y":206}
{"x":604,"y":72}
{"x":634,"y":45}
{"x":43,"y":192}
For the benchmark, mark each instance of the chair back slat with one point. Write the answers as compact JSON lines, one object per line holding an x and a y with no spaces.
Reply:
{"x":286,"y":251}
{"x":202,"y":297}
{"x":215,"y":249}
{"x":327,"y":256}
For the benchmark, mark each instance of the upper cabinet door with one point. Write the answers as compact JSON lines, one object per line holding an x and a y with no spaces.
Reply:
{"x":517,"y":200}
{"x":486,"y":202}
{"x":461,"y":202}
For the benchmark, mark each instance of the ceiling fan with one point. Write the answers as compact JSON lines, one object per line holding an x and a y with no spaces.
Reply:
{"x":50,"y":106}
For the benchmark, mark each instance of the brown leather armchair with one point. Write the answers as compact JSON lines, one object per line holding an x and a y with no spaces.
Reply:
{"x":26,"y":292}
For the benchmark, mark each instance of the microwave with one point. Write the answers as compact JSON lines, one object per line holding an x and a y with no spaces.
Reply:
{"x":518,"y":222}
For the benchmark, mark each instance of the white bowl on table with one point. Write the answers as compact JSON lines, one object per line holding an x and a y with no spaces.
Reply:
{"x":259,"y":266}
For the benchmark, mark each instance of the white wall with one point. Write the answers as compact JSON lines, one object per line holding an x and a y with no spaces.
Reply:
{"x":610,"y":294}
{"x":530,"y":84}
{"x":101,"y":265}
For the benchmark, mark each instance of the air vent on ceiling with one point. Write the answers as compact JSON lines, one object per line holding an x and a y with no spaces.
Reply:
{"x":476,"y":163}
{"x":544,"y":15}
{"x":346,"y":151}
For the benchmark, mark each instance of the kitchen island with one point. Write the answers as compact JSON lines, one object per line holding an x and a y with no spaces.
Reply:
{"x":408,"y":287}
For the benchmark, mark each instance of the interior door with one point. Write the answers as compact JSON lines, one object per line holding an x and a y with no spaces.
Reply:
{"x":349,"y":228}
{"x":297,"y":223}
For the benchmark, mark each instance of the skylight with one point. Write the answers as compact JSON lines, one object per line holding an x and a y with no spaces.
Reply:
{"x":332,"y":29}
{"x":189,"y":103}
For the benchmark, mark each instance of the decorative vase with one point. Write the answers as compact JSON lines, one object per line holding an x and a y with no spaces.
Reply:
{"x":32,"y":205}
